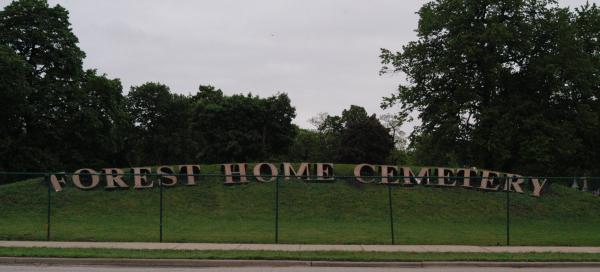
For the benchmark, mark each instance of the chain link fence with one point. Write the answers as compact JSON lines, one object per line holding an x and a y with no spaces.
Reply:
{"x":292,"y":210}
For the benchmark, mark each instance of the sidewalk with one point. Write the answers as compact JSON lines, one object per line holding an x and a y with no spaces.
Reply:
{"x":299,"y":247}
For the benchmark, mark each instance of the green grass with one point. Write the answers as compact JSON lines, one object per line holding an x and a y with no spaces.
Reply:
{"x":302,"y":256}
{"x":342,"y":212}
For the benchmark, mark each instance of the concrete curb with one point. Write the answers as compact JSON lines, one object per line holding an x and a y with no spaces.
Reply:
{"x":274,"y":263}
{"x":302,"y":247}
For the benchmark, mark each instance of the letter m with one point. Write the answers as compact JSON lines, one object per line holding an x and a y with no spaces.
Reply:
{"x":302,"y":172}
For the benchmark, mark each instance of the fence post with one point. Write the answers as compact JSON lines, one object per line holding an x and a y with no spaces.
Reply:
{"x":277,"y":210}
{"x":391,"y":212}
{"x":160,"y":187}
{"x":507,"y":212}
{"x":47,"y":179}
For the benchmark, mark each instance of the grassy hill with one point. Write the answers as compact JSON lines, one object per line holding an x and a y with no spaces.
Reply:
{"x":343,"y":212}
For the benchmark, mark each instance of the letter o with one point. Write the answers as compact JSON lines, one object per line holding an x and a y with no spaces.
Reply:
{"x":358,"y":170}
{"x":256,"y":171}
{"x":77,"y":181}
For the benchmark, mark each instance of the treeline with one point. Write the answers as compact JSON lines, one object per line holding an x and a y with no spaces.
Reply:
{"x":57,"y":116}
{"x":508,"y":85}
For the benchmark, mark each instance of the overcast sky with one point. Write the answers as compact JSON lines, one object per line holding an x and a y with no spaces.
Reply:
{"x":323,"y":53}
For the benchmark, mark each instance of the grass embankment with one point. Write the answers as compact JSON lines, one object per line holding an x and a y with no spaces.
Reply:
{"x":342,"y":212}
{"x":301,"y":256}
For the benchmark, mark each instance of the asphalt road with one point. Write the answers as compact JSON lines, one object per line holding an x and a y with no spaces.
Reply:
{"x":19,"y":268}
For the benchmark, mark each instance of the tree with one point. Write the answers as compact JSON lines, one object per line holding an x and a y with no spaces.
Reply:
{"x":503,"y":84}
{"x":365,"y":141}
{"x":355,"y":137}
{"x":354,"y":115}
{"x":363,"y":138}
{"x":318,"y":119}
{"x":42,"y":37}
{"x":241,"y":127}
{"x":161,"y":131}
{"x":100,"y":128}
{"x":393,"y":122}
{"x":14,"y":110}
{"x":306,"y":147}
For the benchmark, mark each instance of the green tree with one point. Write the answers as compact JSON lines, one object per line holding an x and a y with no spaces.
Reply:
{"x":365,"y":141}
{"x":364,"y":138}
{"x":241,"y":127}
{"x":14,"y":110}
{"x":307,"y":147}
{"x":42,"y":37}
{"x":160,"y":119}
{"x":100,"y":128}
{"x":354,"y":115}
{"x":355,"y":137}
{"x":504,"y":84}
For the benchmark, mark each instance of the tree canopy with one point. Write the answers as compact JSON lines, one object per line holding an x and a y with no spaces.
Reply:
{"x":41,"y":36}
{"x":241,"y":127}
{"x":503,"y":84}
{"x":354,"y":137}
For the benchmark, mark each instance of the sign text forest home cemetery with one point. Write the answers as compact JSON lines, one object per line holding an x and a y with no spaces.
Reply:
{"x":242,"y":173}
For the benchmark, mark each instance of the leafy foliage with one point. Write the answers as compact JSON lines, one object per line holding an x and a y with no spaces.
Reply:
{"x":42,"y":37}
{"x":353,"y":137}
{"x":14,"y":110}
{"x":241,"y":127}
{"x":503,"y":84}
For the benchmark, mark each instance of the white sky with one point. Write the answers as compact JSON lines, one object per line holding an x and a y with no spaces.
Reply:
{"x":323,"y":53}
